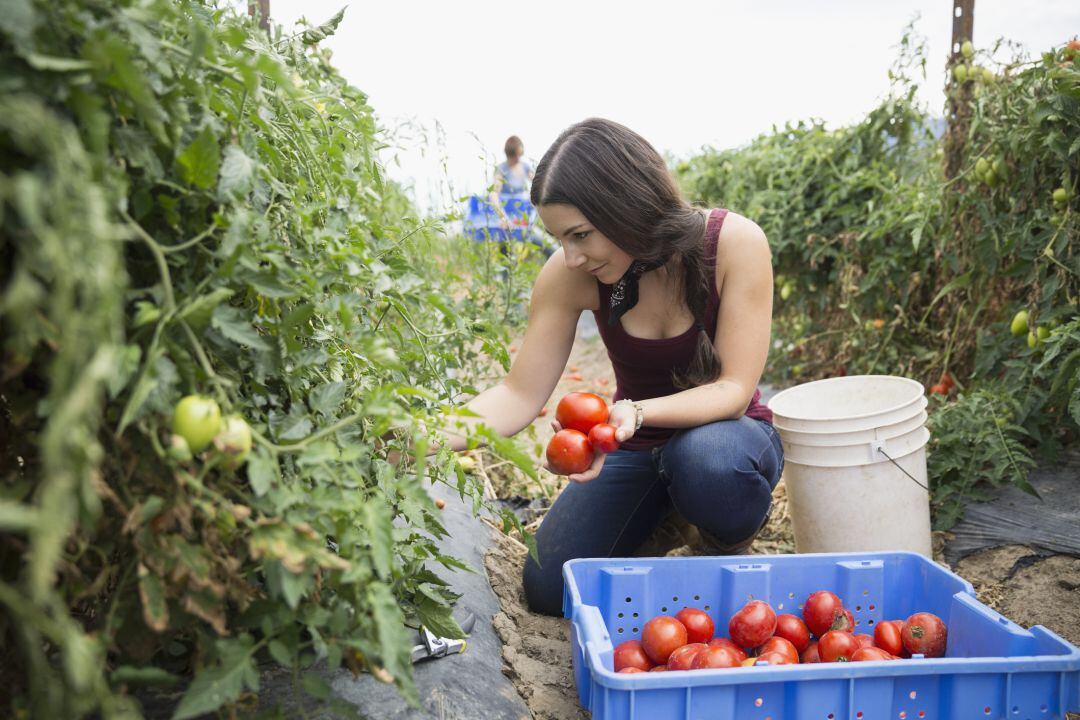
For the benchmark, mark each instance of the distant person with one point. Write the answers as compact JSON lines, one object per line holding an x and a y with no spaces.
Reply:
{"x":513,"y":176}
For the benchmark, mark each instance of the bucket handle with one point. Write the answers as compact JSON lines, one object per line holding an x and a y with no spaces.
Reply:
{"x":879,"y":445}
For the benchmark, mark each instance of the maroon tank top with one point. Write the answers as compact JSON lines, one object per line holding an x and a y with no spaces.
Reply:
{"x":643,"y":367}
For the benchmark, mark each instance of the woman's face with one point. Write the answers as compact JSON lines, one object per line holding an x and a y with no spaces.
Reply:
{"x":584,"y":247}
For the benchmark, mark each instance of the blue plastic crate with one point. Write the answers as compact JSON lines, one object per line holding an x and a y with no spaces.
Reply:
{"x":482,"y":223}
{"x":993,"y":668}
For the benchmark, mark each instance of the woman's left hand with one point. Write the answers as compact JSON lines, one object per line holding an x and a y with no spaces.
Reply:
{"x":624,"y":418}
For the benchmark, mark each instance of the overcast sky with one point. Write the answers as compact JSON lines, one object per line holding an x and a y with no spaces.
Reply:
{"x":456,"y":78}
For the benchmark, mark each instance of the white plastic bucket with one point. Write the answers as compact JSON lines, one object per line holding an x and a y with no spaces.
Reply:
{"x":855,"y":463}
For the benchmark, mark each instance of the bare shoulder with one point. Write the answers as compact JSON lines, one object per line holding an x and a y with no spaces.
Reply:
{"x":559,"y":286}
{"x":742,"y":246}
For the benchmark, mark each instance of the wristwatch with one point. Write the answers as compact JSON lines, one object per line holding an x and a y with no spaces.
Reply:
{"x":639,"y":412}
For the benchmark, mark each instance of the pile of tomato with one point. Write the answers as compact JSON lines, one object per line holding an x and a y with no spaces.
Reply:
{"x":758,"y":636}
{"x":585,"y":431}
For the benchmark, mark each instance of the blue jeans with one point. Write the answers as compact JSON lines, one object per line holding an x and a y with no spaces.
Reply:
{"x":719,"y":477}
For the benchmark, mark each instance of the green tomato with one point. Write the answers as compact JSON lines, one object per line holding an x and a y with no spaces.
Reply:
{"x":992,"y":178}
{"x":998,"y":167}
{"x":960,"y":73}
{"x":785,"y":292}
{"x":1061,"y":196}
{"x":179,"y":450}
{"x":988,"y":76}
{"x":982,"y":166}
{"x":197,"y":419}
{"x":967,"y":50}
{"x":1041,"y":333}
{"x":1019,"y":324}
{"x":234,"y":440}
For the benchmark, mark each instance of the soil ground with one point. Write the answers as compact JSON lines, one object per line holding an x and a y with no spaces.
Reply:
{"x":1027,"y":588}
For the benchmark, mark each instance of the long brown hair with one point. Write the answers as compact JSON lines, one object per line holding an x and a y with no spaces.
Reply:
{"x":618,"y":181}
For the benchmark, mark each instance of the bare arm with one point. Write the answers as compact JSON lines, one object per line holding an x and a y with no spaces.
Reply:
{"x":558,"y":298}
{"x":744,"y":323}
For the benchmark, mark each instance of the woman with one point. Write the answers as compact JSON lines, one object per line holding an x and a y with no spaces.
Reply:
{"x":683,"y":300}
{"x":512,"y":176}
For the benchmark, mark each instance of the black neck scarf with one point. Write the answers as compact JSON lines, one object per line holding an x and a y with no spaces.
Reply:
{"x":624,"y":293}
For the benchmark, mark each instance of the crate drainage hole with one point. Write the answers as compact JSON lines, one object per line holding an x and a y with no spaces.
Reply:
{"x":902,"y":715}
{"x":663,"y":609}
{"x":986,"y":710}
{"x":912,"y":694}
{"x":627,"y":599}
{"x":858,"y":714}
{"x":759,"y":702}
{"x":922,"y":713}
{"x":697,"y":597}
{"x":871,"y":606}
{"x":620,"y":615}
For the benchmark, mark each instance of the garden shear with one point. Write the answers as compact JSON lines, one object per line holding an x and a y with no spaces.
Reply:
{"x":433,"y":646}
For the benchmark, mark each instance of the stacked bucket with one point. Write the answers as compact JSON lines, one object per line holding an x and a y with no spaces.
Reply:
{"x":855,"y":463}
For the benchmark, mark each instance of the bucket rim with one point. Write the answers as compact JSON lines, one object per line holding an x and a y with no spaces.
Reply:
{"x":845,"y":378}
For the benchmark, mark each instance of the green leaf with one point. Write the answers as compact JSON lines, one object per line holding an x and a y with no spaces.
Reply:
{"x":317,"y":34}
{"x":232,"y":323}
{"x":380,"y":532}
{"x":262,"y":470}
{"x":82,"y":660}
{"x":199,"y":161}
{"x":316,"y":686}
{"x":293,"y":426}
{"x":221,"y":683}
{"x":18,"y":20}
{"x":237,"y":173}
{"x":152,"y":594}
{"x":327,"y":398}
{"x":143,"y":675}
{"x":49,"y":63}
{"x":198,"y":311}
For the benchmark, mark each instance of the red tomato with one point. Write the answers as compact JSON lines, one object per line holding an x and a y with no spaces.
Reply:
{"x":844,"y":622}
{"x":774,"y":658}
{"x":793,"y":630}
{"x":631,"y":654}
{"x":602,"y":437}
{"x":724,"y":642}
{"x":660,"y":668}
{"x":864,"y":640}
{"x":924,"y":633}
{"x":837,"y":646}
{"x":752,"y":625}
{"x":662,"y":635}
{"x":777,"y":644}
{"x":810,"y":654}
{"x":682,"y":658}
{"x":569,"y":452}
{"x":870,"y":653}
{"x":580,"y":411}
{"x":716,"y":656}
{"x":629,"y":670}
{"x":887,"y":636}
{"x":939,"y":389}
{"x":699,"y":626}
{"x":821,"y":611}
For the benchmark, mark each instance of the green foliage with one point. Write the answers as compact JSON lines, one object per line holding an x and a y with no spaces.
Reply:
{"x":885,"y":266}
{"x":189,"y":206}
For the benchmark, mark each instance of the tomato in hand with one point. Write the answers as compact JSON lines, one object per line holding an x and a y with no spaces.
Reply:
{"x":810,"y":654}
{"x":602,"y":437}
{"x":780,"y":645}
{"x":820,"y":611}
{"x":924,"y":633}
{"x":631,"y":654}
{"x":887,"y":636}
{"x":569,"y":452}
{"x":580,"y":411}
{"x":837,"y":646}
{"x":794,"y":630}
{"x":699,"y":626}
{"x":716,"y":656}
{"x":682,"y":658}
{"x":725,"y":642}
{"x":865,"y":654}
{"x":753,"y":624}
{"x":661,"y":636}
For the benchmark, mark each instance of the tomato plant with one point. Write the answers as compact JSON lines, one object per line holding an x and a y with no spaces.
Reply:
{"x":699,"y":626}
{"x":569,"y":452}
{"x":661,"y":636}
{"x":581,"y":411}
{"x":753,"y":624}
